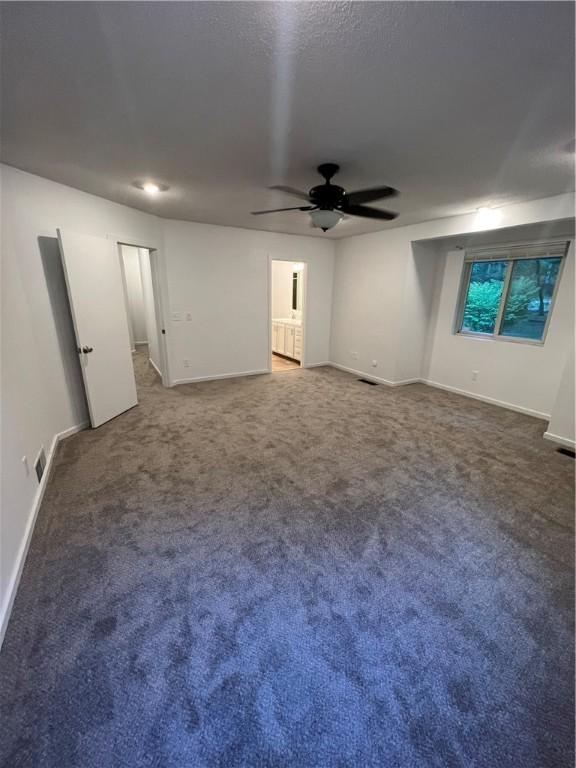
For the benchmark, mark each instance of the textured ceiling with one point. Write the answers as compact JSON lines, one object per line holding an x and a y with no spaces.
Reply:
{"x":455,"y":104}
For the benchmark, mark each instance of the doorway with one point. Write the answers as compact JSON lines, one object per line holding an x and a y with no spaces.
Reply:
{"x":141,"y":296}
{"x":288,"y":293}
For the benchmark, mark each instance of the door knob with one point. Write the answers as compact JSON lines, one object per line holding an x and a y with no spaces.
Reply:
{"x":86,"y":350}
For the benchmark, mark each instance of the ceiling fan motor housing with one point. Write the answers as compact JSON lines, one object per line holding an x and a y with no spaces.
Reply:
{"x":327,"y":195}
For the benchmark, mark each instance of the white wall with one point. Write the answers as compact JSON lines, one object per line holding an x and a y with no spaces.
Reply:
{"x":134,"y":294}
{"x":524,"y":376}
{"x":417,"y":308}
{"x":151,"y":328}
{"x":282,"y":272}
{"x":561,"y":427}
{"x":385,"y":302}
{"x":42,"y":394}
{"x":367,"y":295}
{"x":219,"y":276}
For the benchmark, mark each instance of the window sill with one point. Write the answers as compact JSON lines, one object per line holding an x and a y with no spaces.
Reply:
{"x":492,"y":337}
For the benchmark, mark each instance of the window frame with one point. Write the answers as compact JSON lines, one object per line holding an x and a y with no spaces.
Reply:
{"x":509,"y":253}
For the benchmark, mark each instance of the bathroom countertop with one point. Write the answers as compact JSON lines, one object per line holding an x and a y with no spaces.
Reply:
{"x":286,"y":321}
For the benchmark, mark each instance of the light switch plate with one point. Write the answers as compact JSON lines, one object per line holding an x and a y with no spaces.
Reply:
{"x":176,"y":316}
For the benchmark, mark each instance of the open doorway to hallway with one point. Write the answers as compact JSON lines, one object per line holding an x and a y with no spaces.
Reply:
{"x":141,"y":304}
{"x":288,"y":315}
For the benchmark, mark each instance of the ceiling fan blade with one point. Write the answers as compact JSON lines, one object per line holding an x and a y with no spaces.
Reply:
{"x":278,"y":210}
{"x":292,"y":191}
{"x":369,"y":195}
{"x":366,"y":212}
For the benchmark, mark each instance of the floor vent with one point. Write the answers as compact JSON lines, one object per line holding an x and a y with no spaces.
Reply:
{"x":40,"y":464}
{"x":567,"y":452}
{"x":366,"y":381}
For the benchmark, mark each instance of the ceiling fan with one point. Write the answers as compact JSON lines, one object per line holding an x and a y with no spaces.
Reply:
{"x":328,"y":203}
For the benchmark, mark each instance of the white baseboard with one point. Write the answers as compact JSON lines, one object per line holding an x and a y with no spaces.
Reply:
{"x":32,"y":515}
{"x":565,"y":441}
{"x":371,"y":377}
{"x":491,"y":400}
{"x":239,"y":375}
{"x":140,"y":343}
{"x":448,"y":388}
{"x":317,"y":365}
{"x":153,"y":364}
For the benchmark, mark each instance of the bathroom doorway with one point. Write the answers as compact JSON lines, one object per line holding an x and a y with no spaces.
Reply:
{"x":288,"y":315}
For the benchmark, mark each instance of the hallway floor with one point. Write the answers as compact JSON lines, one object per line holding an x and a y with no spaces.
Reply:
{"x":280,"y":363}
{"x":297,"y":572}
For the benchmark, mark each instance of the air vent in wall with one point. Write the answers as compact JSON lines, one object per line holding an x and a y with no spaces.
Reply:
{"x":40,"y":464}
{"x":366,"y":381}
{"x":567,"y":452}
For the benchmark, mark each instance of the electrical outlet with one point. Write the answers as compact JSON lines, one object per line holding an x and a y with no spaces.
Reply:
{"x":374,"y":363}
{"x":188,"y":315}
{"x":186,"y":363}
{"x":25,"y":465}
{"x":354,"y":355}
{"x":474,"y":375}
{"x":176,"y":316}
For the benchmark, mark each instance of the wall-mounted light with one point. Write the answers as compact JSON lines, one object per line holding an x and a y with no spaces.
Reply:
{"x":325,"y":219}
{"x":487,"y":217}
{"x":151,"y":188}
{"x":298,"y":267}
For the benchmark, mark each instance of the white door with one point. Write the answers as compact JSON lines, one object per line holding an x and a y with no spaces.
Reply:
{"x":94,"y":280}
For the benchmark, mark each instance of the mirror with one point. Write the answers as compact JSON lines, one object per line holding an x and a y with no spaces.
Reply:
{"x":295,"y":290}
{"x":297,"y":287}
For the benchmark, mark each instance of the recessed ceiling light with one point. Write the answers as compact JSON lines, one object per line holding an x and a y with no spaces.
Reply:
{"x":151,"y":187}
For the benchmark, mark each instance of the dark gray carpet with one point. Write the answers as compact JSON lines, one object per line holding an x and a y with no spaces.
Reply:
{"x":297,"y":570}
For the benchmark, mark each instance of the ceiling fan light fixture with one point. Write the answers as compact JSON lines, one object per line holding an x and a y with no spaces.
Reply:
{"x":324,"y":218}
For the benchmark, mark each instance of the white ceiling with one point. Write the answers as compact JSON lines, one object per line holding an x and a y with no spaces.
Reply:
{"x":455,"y":104}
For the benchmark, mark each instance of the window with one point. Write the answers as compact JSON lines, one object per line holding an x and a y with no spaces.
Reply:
{"x":508,"y":292}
